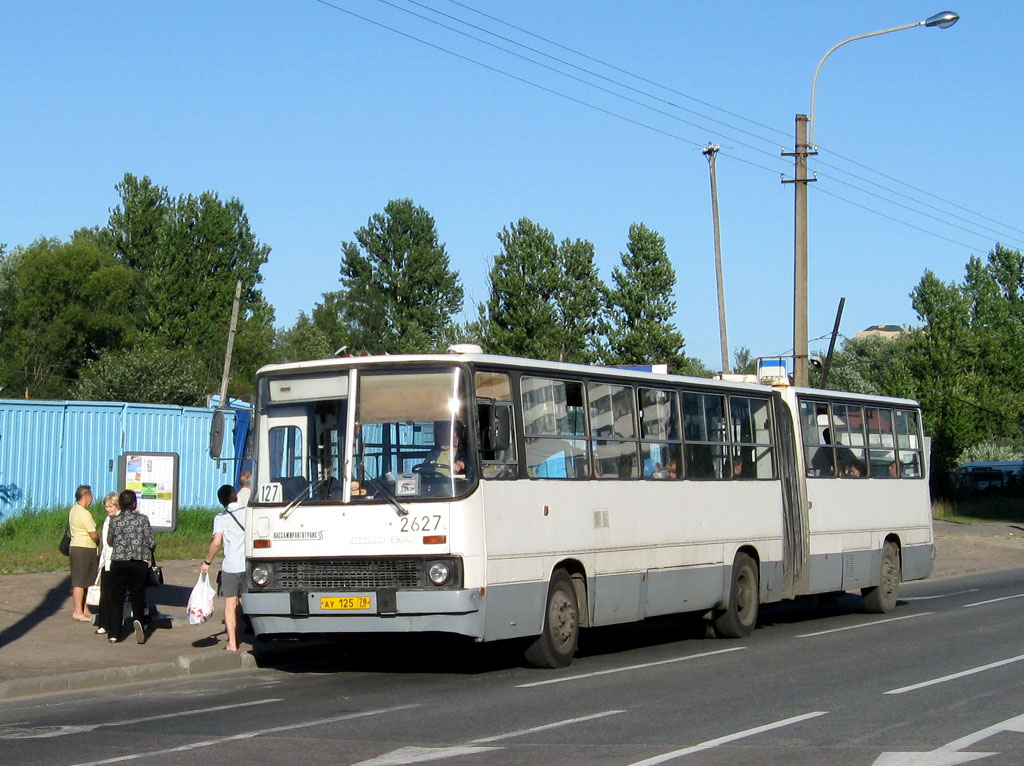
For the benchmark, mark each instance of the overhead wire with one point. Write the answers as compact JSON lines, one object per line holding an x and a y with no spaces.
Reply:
{"x":611,"y":66}
{"x":568,"y":75}
{"x":648,"y":126}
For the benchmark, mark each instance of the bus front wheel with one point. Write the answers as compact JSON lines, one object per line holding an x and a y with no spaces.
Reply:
{"x":882,"y":598}
{"x":556,"y":645}
{"x":739,"y":618}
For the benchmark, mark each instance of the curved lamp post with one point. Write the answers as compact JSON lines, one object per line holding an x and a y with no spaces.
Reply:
{"x":804,"y":148}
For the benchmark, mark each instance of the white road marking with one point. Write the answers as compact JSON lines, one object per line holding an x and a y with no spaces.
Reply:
{"x":992,"y":601}
{"x":249,"y":735}
{"x":954,"y":676}
{"x":941,"y":595}
{"x":406,"y":755}
{"x":727,"y":738}
{"x":61,"y":731}
{"x":630,"y":667}
{"x":546,"y":726}
{"x":864,"y":625}
{"x":949,"y":754}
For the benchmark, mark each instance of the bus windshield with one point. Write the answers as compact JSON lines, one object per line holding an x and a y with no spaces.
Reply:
{"x":411,"y":437}
{"x":408,"y":435}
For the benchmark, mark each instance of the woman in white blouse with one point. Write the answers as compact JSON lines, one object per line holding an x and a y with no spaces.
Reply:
{"x":109,"y":618}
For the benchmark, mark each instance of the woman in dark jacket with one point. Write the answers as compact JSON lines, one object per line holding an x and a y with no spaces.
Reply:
{"x":131,"y":542}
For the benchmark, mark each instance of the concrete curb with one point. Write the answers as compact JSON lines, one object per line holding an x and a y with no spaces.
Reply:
{"x":185,"y":665}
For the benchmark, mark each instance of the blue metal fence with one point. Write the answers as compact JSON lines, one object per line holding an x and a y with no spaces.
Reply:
{"x":49,"y":448}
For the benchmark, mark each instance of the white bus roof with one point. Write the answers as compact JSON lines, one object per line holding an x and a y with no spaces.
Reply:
{"x":565,"y":368}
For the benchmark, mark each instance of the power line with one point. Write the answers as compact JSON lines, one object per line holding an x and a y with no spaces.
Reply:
{"x":516,"y":77}
{"x":570,"y":64}
{"x":568,"y":75}
{"x":899,"y":221}
{"x":746,"y":119}
{"x":617,"y":115}
{"x":619,"y":69}
{"x":904,"y":206}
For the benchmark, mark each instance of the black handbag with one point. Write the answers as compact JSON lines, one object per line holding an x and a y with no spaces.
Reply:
{"x":156,"y":573}
{"x":64,"y":546}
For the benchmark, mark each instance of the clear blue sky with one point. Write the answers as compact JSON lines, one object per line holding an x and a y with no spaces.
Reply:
{"x":314,"y":119}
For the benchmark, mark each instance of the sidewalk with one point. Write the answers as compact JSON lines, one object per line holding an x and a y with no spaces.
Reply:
{"x":43,"y":651}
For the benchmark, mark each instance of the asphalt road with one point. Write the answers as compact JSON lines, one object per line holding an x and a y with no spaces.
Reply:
{"x":938,"y":681}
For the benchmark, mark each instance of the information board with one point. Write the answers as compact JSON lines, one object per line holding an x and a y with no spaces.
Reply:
{"x":153,"y":477}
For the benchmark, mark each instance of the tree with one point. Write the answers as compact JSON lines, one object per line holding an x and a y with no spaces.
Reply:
{"x":146,"y":372}
{"x":969,"y":367}
{"x":874,"y":365}
{"x":189,"y":252}
{"x":64,"y":303}
{"x":301,"y":342}
{"x":640,"y":305}
{"x":743,"y":362}
{"x":521,"y":316}
{"x":579,"y":303}
{"x":400,"y":294}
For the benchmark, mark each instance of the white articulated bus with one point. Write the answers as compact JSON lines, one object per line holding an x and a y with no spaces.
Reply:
{"x":497,"y":497}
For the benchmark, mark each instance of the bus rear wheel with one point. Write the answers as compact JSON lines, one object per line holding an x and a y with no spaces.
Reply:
{"x":739,"y":618}
{"x":556,"y":645}
{"x":882,"y":598}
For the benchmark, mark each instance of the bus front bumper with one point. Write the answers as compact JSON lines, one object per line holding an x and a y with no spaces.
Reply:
{"x":390,"y":611}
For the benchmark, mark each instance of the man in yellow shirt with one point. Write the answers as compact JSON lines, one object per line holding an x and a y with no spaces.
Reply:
{"x":83,"y":553}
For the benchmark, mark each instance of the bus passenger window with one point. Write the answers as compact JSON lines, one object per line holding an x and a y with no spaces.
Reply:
{"x":612,"y":417}
{"x":881,"y":443}
{"x":704,"y":431}
{"x":908,"y":441}
{"x":553,"y":420}
{"x":660,"y":447}
{"x":819,"y":455}
{"x":751,"y":438}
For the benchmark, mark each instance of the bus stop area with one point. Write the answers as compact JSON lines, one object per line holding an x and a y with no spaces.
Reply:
{"x":42,"y":651}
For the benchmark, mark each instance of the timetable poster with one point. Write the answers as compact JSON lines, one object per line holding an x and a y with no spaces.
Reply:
{"x":153,"y":477}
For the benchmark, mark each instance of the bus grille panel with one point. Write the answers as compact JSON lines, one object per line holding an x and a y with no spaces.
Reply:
{"x":354,"y":574}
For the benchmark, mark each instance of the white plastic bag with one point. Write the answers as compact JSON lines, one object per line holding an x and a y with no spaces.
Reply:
{"x":200,"y":603}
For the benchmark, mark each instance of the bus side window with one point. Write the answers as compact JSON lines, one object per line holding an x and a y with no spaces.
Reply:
{"x":498,"y":456}
{"x":553,"y":421}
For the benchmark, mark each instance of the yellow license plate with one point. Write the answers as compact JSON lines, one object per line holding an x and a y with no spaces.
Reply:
{"x":345,"y":602}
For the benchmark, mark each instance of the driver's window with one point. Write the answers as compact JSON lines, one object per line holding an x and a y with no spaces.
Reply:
{"x":494,"y":399}
{"x":286,"y":460}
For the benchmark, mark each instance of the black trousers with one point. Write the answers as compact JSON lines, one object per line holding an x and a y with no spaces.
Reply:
{"x":131,"y":577}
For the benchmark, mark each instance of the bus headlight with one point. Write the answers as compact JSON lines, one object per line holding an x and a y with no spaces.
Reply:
{"x":260,"y":575}
{"x":439,"y":572}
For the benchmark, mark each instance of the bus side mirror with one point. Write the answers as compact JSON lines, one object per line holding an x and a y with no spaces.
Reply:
{"x":495,"y":427}
{"x":217,"y":434}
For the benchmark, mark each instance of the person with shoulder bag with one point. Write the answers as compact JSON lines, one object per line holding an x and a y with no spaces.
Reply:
{"x":229,"y":530}
{"x":132,"y":543}
{"x":82,"y":553}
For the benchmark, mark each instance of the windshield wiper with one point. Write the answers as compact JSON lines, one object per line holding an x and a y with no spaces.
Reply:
{"x":312,"y":490}
{"x":400,"y":509}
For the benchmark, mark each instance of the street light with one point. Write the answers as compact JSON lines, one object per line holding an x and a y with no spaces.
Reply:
{"x":802,"y":150}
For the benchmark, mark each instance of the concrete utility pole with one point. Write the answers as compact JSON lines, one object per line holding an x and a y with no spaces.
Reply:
{"x":231,"y":344}
{"x":802,"y":150}
{"x":710,"y":151}
{"x":800,"y":343}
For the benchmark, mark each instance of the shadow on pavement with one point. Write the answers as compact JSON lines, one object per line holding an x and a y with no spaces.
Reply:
{"x":49,"y":606}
